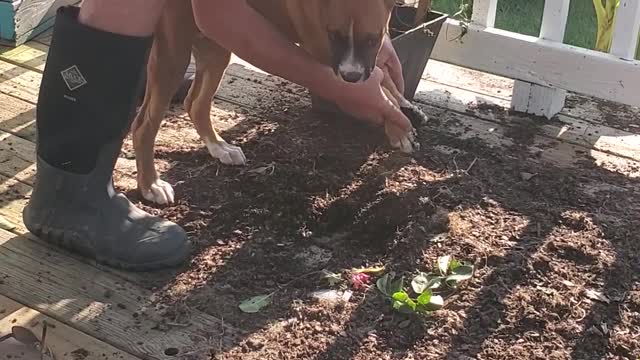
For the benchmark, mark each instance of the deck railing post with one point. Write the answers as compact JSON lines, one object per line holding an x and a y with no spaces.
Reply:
{"x":626,"y":30}
{"x":537,"y":99}
{"x":484,"y":12}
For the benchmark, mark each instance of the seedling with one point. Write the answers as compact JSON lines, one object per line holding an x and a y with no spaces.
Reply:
{"x":425,"y":287}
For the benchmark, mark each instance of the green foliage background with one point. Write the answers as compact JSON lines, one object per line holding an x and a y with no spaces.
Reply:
{"x":525,"y":17}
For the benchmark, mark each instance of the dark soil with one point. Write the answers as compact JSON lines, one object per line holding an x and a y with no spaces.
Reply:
{"x":615,"y":115}
{"x":543,"y":240}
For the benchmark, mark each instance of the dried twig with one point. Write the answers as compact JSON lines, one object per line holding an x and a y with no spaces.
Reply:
{"x":43,"y":338}
{"x":471,"y":166}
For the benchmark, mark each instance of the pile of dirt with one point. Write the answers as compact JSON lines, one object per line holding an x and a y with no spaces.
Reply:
{"x":556,"y":250}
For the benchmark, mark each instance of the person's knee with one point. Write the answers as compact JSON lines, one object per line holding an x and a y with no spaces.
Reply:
{"x":126,"y":17}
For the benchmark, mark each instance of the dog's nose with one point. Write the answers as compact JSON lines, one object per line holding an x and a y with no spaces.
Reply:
{"x":352,"y":76}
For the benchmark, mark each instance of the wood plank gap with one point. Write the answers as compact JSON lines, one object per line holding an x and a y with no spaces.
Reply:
{"x":64,"y":341}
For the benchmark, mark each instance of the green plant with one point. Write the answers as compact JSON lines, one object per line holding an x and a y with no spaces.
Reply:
{"x":464,"y":15}
{"x":605,"y":14}
{"x":425,"y":287}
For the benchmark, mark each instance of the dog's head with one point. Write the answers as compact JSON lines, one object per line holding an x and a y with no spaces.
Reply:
{"x":355,"y":30}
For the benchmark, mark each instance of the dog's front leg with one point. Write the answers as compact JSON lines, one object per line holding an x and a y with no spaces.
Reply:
{"x":211,"y":63}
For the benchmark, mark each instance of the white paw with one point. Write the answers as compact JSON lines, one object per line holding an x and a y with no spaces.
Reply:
{"x":227,"y":154}
{"x":160,"y":192}
{"x":407,"y":144}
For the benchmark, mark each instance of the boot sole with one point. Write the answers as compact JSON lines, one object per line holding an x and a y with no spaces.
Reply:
{"x":62,"y":239}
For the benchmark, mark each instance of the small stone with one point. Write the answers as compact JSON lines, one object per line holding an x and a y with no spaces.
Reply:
{"x":254,"y":344}
{"x":404,"y":324}
{"x":527,"y":176}
{"x":332,"y":296}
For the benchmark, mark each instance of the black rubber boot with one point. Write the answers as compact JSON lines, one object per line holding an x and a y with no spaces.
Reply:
{"x":85,"y":108}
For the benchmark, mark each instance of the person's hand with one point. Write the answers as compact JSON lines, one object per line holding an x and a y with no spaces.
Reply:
{"x":367,"y":101}
{"x":389,"y":62}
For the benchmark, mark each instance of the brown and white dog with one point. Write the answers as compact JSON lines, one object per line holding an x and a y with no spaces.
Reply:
{"x":345,"y":34}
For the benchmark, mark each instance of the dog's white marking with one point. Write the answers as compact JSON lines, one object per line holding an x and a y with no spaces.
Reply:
{"x":408,"y":144}
{"x":227,"y":154}
{"x":349,"y":63}
{"x":160,"y":192}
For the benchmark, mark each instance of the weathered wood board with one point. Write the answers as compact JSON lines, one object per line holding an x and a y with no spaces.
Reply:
{"x":22,"y":20}
{"x":93,"y":301}
{"x":540,"y":62}
{"x":64,"y":341}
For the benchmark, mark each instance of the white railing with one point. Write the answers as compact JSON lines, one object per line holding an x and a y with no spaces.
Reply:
{"x":544,"y":68}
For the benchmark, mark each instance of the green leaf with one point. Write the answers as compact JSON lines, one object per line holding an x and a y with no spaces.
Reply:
{"x":412,"y":304}
{"x":255,"y":304}
{"x":454,"y":264}
{"x":396,"y":285}
{"x":388,"y":286}
{"x":461,"y":273}
{"x":331,"y":278}
{"x":382,"y":283}
{"x":443,"y":264}
{"x":420,"y":283}
{"x":425,"y":297}
{"x":400,"y":296}
{"x":425,"y":281}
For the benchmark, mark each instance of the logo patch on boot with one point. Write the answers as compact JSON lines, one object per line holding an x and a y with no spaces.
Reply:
{"x":73,"y":78}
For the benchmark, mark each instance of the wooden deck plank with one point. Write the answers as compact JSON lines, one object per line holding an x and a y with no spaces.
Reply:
{"x":588,"y":108}
{"x":463,"y":78}
{"x":17,"y":157}
{"x":32,"y":55}
{"x":13,"y":198}
{"x":19,"y":82}
{"x":64,"y":341}
{"x":93,"y":301}
{"x":567,"y":129}
{"x":18,"y":117}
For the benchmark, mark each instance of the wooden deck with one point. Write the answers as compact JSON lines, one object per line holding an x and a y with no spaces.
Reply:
{"x":39,"y":283}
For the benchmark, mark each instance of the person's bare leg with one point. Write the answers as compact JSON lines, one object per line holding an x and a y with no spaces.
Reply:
{"x":125,"y":17}
{"x":86,"y":104}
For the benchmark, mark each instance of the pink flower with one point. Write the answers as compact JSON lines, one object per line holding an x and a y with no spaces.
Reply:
{"x":360,"y":281}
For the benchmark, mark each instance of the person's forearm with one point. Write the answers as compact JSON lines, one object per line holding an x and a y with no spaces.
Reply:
{"x":257,"y":41}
